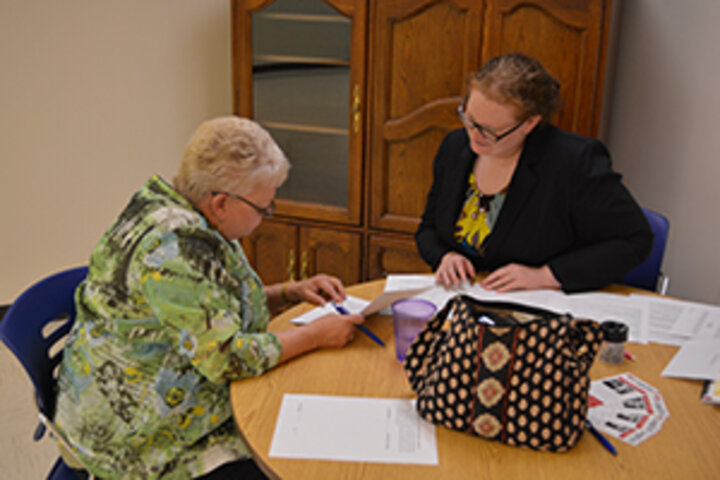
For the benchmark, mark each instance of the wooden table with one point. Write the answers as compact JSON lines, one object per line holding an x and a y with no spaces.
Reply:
{"x":687,"y":447}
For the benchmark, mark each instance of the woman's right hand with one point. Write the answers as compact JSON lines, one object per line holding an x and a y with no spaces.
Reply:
{"x":334,"y":330}
{"x":454,"y":269}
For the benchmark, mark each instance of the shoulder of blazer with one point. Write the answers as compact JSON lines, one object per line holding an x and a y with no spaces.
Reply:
{"x":453,"y":144}
{"x":454,"y":154}
{"x":549,"y":147}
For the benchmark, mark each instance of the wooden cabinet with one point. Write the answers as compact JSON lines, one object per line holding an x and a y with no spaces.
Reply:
{"x":359,"y":94}
{"x":289,"y":251}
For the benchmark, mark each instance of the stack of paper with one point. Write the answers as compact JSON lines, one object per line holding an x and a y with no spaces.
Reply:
{"x":354,"y":429}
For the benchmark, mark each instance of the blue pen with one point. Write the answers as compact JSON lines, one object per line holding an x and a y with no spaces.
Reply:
{"x":344,"y":311}
{"x":600,"y":437}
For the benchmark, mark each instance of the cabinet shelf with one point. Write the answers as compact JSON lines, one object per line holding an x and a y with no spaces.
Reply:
{"x":294,"y":127}
{"x":299,"y":60}
{"x":304,"y":17}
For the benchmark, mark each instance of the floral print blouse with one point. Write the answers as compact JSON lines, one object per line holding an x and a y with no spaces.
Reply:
{"x":169,"y":314}
{"x":477,"y":217}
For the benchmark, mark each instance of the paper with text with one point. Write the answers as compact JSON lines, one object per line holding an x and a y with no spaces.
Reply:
{"x":351,"y":304}
{"x":353,"y":429}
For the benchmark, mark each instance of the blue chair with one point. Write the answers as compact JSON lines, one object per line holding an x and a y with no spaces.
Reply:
{"x":648,"y":275}
{"x":32,"y":328}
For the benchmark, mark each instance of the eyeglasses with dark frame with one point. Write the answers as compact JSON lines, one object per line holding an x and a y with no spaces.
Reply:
{"x":485,"y":132}
{"x":266,"y":212}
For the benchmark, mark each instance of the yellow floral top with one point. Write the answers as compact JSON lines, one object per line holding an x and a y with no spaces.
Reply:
{"x":477,"y":217}
{"x":169,"y":314}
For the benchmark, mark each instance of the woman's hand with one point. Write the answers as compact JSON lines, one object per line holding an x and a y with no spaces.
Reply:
{"x":520,"y":277}
{"x":312,"y":290}
{"x":327,"y":331}
{"x":454,"y":269}
{"x":335,"y":330}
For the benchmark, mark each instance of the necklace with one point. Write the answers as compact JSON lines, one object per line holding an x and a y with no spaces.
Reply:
{"x":483,"y":202}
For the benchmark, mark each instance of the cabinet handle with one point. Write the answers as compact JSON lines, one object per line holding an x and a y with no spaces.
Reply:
{"x":304,"y":266}
{"x":291,"y":266}
{"x":356,"y":108}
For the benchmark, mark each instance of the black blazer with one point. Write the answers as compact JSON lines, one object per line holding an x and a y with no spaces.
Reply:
{"x":564,"y":207}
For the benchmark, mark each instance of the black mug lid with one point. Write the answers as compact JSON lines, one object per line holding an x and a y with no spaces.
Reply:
{"x":614,"y":331}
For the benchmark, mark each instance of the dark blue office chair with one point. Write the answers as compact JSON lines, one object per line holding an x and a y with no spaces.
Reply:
{"x":32,"y":329}
{"x":648,"y":275}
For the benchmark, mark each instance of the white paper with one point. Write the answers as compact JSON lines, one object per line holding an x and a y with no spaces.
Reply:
{"x":664,"y":316}
{"x":698,"y":359}
{"x":626,"y":408}
{"x":552,"y":300}
{"x":409,"y":282}
{"x":351,"y":304}
{"x":698,"y":321}
{"x":354,"y":429}
{"x":398,"y":287}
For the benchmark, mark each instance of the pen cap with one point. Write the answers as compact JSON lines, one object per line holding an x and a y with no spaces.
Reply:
{"x":616,"y":332}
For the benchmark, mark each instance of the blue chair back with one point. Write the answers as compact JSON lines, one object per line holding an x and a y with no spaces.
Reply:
{"x":24,"y":331}
{"x":647,"y":274}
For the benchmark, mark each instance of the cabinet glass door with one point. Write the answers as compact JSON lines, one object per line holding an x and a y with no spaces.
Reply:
{"x":302,"y":93}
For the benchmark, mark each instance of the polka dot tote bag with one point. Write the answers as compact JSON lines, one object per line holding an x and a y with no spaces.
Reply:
{"x":505,"y":372}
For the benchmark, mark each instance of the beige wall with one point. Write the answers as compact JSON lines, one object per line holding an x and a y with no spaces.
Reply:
{"x":95,"y":97}
{"x":664,"y":131}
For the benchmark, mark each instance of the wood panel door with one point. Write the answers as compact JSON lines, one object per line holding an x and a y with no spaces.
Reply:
{"x":272,"y":251}
{"x":334,"y":252}
{"x":570,"y":39}
{"x":421,"y":53}
{"x":394,"y":255}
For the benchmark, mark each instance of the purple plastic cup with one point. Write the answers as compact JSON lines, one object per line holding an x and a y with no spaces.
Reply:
{"x":410,"y":315}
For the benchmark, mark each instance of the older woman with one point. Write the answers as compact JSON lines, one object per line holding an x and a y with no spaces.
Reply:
{"x":513,"y":195}
{"x":171,"y":312}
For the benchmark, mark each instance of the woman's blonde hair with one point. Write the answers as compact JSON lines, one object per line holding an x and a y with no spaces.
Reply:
{"x":521,"y":81}
{"x":229,"y":154}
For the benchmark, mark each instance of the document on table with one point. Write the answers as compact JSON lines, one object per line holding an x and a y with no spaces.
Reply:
{"x":398,"y":287}
{"x":675,"y":321}
{"x":353,"y":429}
{"x":698,"y":359}
{"x":351,"y":304}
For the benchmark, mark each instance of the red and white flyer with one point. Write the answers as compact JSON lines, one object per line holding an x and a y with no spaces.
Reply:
{"x":626,"y":408}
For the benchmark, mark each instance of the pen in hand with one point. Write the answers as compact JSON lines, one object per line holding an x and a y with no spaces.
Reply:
{"x":605,"y":442}
{"x":343,"y":311}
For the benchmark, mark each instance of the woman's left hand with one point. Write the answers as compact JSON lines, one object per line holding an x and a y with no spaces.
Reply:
{"x":312,"y":289}
{"x":520,"y":277}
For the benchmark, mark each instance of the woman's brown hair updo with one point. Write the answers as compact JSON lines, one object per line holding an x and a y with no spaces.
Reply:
{"x":521,"y":81}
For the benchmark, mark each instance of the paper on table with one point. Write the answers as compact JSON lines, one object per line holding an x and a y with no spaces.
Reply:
{"x":409,"y":282}
{"x":354,"y":429}
{"x":698,"y":321}
{"x":626,"y":408}
{"x":698,"y":359}
{"x":663,"y":314}
{"x":351,"y":304}
{"x":398,"y":287}
{"x":552,"y":300}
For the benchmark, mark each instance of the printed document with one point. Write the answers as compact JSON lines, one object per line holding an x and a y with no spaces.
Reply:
{"x":353,"y":429}
{"x":698,"y":359}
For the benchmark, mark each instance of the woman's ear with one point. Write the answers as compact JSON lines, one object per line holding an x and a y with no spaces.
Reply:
{"x":532,"y":122}
{"x":219,"y":205}
{"x":215,"y":208}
